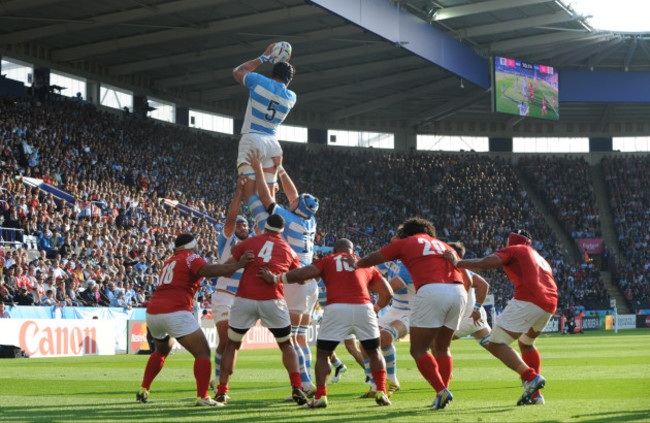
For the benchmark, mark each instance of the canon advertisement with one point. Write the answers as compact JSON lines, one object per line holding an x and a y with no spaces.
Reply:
{"x":59,"y":337}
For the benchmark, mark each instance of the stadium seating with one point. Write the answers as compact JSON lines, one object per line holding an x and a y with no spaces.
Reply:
{"x":119,"y":169}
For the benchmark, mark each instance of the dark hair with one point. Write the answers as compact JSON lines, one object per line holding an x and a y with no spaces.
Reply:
{"x":183,"y":239}
{"x":416,"y":225}
{"x":523,"y":232}
{"x":459,"y":247}
{"x":283,"y":71}
{"x":276,"y":221}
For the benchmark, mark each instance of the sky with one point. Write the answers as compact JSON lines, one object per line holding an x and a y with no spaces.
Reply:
{"x":615,"y":15}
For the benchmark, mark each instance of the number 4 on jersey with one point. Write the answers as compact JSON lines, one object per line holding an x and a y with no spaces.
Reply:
{"x":266,"y":251}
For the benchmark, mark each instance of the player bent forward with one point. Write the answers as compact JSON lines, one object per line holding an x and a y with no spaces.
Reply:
{"x":348,"y":310}
{"x":169,"y":314}
{"x":526,"y":315}
{"x":256,"y":299}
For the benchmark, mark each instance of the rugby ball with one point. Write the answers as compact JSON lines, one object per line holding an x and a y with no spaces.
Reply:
{"x":281,"y":52}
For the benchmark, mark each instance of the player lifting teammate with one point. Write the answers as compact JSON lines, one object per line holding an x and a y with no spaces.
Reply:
{"x":300,"y":234}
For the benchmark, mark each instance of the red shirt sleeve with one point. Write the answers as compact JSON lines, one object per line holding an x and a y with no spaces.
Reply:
{"x":505,"y":254}
{"x":376,"y":275}
{"x":319,"y":264}
{"x":239,"y":250}
{"x":195,"y":262}
{"x":295,"y":263}
{"x":393,"y":250}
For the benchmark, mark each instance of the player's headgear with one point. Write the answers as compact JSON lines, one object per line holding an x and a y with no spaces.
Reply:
{"x":307,"y":206}
{"x":519,"y":236}
{"x":283,"y":71}
{"x":185,"y":242}
{"x":241,"y":219}
{"x":274,"y":223}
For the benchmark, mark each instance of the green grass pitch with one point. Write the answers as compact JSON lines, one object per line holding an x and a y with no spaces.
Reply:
{"x":599,"y":376}
{"x":508,"y":100}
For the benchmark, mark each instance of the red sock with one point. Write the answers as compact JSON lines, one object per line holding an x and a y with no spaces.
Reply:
{"x":534,"y":360}
{"x":154,"y":366}
{"x":445,"y":365}
{"x":202,"y":373}
{"x":295,"y":379}
{"x":528,"y":375}
{"x":429,"y":369}
{"x":380,"y":380}
{"x":222,"y":389}
{"x":321,"y":391}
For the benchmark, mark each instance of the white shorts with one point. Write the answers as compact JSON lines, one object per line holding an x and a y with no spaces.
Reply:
{"x":341,"y":320}
{"x":267,"y":145}
{"x":467,"y":326}
{"x":519,"y":316}
{"x":221,"y":304}
{"x":438,"y":304}
{"x":393,"y":315}
{"x":176,"y":324}
{"x":244,"y":313}
{"x":301,"y":299}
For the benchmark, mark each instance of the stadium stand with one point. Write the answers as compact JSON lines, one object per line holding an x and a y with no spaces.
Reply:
{"x":125,"y":176}
{"x":627,"y":181}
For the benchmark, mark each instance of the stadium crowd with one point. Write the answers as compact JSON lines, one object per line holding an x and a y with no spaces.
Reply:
{"x":119,"y":168}
{"x":627,"y":181}
{"x":565,"y":184}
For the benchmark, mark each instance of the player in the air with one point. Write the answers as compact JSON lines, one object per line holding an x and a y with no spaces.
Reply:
{"x":235,"y":230}
{"x":269,"y":103}
{"x":169,"y":314}
{"x":526,"y":315}
{"x":394,"y":323}
{"x":256,"y":299}
{"x":440,"y":296}
{"x":300,"y":234}
{"x":348,"y":310}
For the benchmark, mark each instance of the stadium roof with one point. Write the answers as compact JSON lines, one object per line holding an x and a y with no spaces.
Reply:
{"x":185,"y":49}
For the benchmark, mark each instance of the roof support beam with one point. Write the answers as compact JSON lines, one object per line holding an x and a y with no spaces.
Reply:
{"x":391,"y":99}
{"x":448,"y":109}
{"x":516,"y":24}
{"x":15,"y":5}
{"x":604,"y":119}
{"x":605,"y":52}
{"x":580,"y":48}
{"x":335,"y":73}
{"x":365,"y":85}
{"x":215,"y":53}
{"x":105,"y":20}
{"x":219,"y":74}
{"x":645,"y":48}
{"x":630,"y":53}
{"x":159,"y":37}
{"x":483,"y":7}
{"x":517,"y":43}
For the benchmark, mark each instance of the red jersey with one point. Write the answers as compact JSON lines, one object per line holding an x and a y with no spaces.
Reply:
{"x":422,"y":256}
{"x":178,"y":283}
{"x":345,"y":284}
{"x":270,"y":251}
{"x":531,"y":275}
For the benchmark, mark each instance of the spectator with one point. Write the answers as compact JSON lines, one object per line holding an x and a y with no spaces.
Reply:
{"x":24,"y":298}
{"x":4,"y":314}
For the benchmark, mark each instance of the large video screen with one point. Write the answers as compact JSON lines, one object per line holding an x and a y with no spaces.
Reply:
{"x":525,"y":89}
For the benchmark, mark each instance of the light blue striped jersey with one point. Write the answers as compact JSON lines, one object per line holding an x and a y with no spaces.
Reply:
{"x":224,"y":248}
{"x":322,"y":294}
{"x":269,"y":104}
{"x":402,"y":298}
{"x":298,"y":232}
